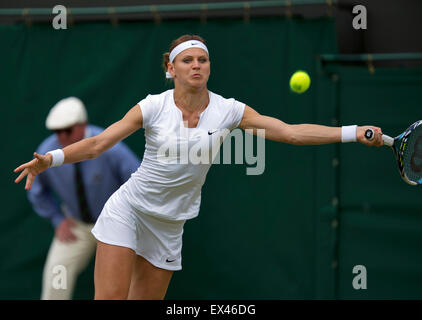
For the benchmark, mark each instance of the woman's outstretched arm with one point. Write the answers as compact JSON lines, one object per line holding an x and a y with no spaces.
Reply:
{"x":301,"y":134}
{"x":85,"y":149}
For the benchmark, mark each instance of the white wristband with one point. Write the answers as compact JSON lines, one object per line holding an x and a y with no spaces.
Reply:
{"x":348,"y":133}
{"x":58,"y":157}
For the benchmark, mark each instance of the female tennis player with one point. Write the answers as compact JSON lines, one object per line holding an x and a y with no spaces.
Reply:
{"x":140,"y":228}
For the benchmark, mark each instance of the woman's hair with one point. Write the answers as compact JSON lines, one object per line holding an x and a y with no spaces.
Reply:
{"x":186,"y":37}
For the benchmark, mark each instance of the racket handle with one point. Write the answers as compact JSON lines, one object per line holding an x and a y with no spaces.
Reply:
{"x":388,"y":140}
{"x":369,"y":134}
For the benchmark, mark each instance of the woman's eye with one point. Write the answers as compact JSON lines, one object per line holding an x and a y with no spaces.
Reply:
{"x":201,"y":60}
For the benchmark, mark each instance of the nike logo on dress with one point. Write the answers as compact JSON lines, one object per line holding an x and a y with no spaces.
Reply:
{"x":211,"y":132}
{"x":169,"y":261}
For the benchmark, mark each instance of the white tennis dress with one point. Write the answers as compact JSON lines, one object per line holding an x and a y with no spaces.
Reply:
{"x":148,"y":212}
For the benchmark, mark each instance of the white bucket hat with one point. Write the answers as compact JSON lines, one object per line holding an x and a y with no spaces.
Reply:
{"x":66,"y":113}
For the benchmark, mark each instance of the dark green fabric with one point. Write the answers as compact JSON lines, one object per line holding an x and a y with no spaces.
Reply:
{"x":257,"y":237}
{"x":378,"y":215}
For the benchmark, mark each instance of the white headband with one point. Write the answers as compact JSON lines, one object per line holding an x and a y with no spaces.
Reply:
{"x":182,"y":47}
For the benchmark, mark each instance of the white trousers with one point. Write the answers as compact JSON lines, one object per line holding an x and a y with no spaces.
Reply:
{"x":65,"y":261}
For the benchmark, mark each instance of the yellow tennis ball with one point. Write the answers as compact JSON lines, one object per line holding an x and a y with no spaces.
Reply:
{"x":300,"y":81}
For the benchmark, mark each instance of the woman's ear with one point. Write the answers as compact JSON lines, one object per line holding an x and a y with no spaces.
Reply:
{"x":170,"y":68}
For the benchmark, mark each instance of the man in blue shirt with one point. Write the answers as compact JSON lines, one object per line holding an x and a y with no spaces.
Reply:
{"x":72,"y":196}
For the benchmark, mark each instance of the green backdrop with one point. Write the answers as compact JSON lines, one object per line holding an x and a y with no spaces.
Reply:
{"x":377,"y":222}
{"x":279,"y":235}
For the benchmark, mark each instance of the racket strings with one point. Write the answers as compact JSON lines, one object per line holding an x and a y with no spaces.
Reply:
{"x":412,"y":155}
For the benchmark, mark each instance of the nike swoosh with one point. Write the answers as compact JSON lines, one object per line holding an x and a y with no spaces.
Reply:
{"x":169,"y":261}
{"x":211,"y":132}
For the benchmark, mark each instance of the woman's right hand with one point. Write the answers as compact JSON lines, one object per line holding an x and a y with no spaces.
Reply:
{"x":39,"y":164}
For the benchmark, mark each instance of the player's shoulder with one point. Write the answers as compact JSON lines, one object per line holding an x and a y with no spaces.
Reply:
{"x":153,"y":105}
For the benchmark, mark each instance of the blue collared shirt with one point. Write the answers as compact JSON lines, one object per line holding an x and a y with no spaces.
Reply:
{"x":53,"y":193}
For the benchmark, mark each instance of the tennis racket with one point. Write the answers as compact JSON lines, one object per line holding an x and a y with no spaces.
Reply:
{"x":407,"y":148}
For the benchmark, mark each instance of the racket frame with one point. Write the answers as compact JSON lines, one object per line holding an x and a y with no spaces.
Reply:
{"x":398,"y":151}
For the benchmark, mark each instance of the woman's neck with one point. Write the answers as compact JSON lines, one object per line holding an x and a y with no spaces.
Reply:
{"x":191,"y":100}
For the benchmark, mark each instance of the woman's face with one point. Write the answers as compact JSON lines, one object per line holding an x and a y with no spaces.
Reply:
{"x":191,"y":68}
